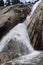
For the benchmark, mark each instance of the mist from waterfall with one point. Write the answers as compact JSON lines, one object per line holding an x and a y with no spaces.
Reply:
{"x":20,"y":38}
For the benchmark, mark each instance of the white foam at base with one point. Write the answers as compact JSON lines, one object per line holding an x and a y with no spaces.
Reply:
{"x":26,"y":58}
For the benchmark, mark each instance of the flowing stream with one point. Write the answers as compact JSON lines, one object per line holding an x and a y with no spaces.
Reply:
{"x":21,"y":42}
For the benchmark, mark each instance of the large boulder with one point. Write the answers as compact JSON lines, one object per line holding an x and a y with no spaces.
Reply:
{"x":11,"y":16}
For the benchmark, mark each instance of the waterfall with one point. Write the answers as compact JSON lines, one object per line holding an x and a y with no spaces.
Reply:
{"x":29,"y":17}
{"x":20,"y":39}
{"x":19,"y":32}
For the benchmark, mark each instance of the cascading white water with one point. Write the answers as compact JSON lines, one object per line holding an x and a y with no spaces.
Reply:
{"x":19,"y":33}
{"x":29,"y":17}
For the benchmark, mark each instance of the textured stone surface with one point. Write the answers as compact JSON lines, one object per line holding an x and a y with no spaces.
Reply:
{"x":7,"y":56}
{"x":11,"y":16}
{"x":35,"y":30}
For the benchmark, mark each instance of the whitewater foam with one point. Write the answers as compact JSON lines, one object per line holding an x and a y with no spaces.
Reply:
{"x":26,"y":58}
{"x":20,"y":33}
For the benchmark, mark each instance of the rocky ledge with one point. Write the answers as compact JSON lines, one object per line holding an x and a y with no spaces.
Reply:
{"x":12,"y":15}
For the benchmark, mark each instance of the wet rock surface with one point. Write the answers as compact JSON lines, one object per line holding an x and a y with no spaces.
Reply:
{"x":35,"y":30}
{"x":8,"y":64}
{"x":8,"y":53}
{"x":11,"y":16}
{"x":7,"y":56}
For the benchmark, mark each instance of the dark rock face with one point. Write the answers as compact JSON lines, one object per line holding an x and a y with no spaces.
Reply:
{"x":15,"y":15}
{"x":36,"y":32}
